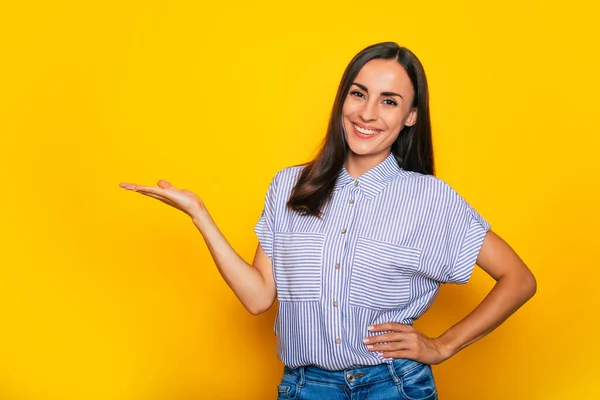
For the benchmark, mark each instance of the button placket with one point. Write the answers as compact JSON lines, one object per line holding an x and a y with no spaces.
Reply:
{"x":346,"y":222}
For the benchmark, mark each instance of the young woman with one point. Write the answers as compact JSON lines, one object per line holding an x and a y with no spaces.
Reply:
{"x":356,"y":243}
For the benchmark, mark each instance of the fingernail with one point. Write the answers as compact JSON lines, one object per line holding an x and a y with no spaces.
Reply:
{"x":366,"y":340}
{"x":370,"y":346}
{"x":370,"y":327}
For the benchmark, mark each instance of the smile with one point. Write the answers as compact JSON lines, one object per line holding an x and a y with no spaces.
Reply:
{"x":365,"y":131}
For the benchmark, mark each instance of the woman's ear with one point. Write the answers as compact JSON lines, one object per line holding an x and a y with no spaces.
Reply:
{"x":412,"y":117}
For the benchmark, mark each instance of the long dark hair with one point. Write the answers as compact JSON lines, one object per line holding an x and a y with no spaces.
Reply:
{"x":413,"y":149}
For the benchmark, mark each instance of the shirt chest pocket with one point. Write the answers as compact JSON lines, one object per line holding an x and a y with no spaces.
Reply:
{"x":381,"y":274}
{"x":297,"y":264}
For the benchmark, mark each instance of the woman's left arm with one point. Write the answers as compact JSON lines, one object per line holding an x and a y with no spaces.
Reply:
{"x":515,"y":284}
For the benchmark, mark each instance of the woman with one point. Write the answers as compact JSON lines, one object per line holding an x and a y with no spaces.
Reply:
{"x":356,"y":243}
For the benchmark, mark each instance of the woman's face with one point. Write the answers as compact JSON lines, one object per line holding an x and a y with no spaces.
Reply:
{"x":376,"y":108}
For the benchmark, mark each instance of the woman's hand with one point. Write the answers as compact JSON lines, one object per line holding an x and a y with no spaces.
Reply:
{"x":405,"y":341}
{"x":253,"y":284}
{"x":181,"y":199}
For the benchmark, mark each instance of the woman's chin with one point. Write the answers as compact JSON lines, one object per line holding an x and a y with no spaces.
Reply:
{"x":360,"y":152}
{"x":367,"y":152}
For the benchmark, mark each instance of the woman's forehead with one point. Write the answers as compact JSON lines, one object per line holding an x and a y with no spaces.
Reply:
{"x":381,"y":75}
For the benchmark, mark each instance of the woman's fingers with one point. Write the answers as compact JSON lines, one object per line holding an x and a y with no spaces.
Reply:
{"x":397,"y":338}
{"x":391,"y":326}
{"x":165,"y":185}
{"x":165,"y":190}
{"x":391,"y":346}
{"x":125,"y":185}
{"x":393,"y":332}
{"x":149,"y":189}
{"x":404,"y":341}
{"x":157,"y":193}
{"x":386,"y":337}
{"x":183,"y":200}
{"x":396,"y":349}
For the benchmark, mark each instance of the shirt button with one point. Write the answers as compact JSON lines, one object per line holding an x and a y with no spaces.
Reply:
{"x":356,"y":182}
{"x":338,"y":341}
{"x":343,"y":231}
{"x":351,"y":201}
{"x":337,"y":266}
{"x":335,"y":304}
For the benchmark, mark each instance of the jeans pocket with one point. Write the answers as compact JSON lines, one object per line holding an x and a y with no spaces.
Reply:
{"x":418,"y":383}
{"x":288,"y":389}
{"x":297,"y":265}
{"x":284,"y":392}
{"x":381,"y":274}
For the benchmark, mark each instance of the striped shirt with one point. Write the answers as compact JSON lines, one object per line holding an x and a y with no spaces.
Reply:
{"x":384,"y":244}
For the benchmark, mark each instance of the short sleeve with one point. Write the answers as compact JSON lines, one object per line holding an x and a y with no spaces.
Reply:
{"x":265,"y":227}
{"x":453,"y":235}
{"x":465,"y":231}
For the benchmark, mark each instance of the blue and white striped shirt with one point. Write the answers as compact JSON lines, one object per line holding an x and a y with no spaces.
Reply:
{"x":379,"y":253}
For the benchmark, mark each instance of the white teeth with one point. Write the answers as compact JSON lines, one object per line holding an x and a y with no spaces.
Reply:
{"x":365,"y":131}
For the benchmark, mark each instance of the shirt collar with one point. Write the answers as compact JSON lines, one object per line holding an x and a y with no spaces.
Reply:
{"x":372,"y":181}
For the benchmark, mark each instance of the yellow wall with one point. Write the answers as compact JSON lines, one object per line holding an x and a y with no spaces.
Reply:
{"x":109,"y":295}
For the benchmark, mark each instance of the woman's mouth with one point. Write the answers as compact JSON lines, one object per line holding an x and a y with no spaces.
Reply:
{"x":365,"y":133}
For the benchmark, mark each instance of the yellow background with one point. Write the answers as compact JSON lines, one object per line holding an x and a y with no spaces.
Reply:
{"x":110,"y":295}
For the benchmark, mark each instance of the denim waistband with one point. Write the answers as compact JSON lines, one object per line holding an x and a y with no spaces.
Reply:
{"x":360,"y":375}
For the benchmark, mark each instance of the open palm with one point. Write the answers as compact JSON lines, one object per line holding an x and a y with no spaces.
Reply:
{"x":181,"y":199}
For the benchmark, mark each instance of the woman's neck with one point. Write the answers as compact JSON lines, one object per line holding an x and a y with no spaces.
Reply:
{"x":357,"y":165}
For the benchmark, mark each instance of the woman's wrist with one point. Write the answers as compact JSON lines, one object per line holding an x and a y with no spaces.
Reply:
{"x":200,"y":216}
{"x":446,"y":347}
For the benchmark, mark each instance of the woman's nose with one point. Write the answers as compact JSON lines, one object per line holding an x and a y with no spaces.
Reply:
{"x":369,"y":111}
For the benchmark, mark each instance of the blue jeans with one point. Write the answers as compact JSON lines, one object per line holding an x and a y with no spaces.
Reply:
{"x":403,"y":380}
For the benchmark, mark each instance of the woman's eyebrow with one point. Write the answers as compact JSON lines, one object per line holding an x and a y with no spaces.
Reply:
{"x":363,"y":87}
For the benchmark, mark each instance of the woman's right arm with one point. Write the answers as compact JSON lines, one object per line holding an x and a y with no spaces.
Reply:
{"x":253,"y":284}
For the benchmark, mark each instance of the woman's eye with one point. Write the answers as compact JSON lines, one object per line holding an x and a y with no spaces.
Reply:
{"x":390,"y":102}
{"x":356,"y":93}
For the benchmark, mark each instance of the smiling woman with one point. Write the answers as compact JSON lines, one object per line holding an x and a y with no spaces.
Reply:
{"x":356,"y":243}
{"x":382,"y":107}
{"x":378,"y":115}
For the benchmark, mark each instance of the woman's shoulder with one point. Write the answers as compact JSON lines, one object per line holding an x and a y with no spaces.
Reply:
{"x":285,"y":178}
{"x":289,"y":173}
{"x":428,"y":186}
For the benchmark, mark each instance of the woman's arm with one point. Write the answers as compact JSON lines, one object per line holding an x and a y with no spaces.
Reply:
{"x":253,"y":284}
{"x":515,"y":284}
